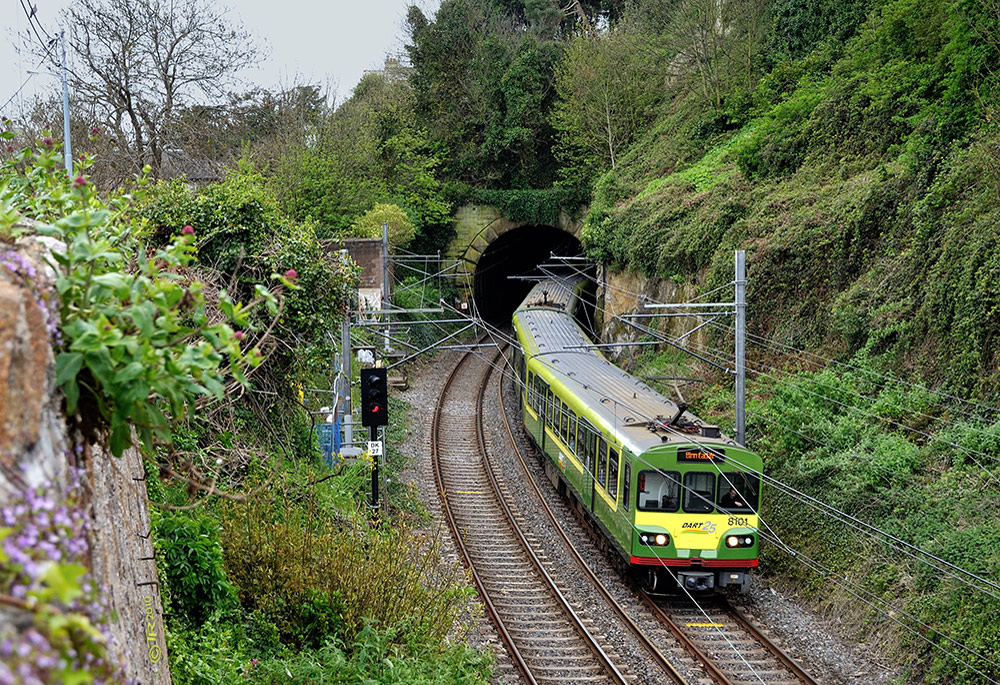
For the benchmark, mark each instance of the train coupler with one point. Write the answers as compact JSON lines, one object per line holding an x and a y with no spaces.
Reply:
{"x":696,"y":581}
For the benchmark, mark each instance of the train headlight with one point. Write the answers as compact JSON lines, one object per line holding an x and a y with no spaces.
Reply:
{"x":654,"y":539}
{"x":739,"y":541}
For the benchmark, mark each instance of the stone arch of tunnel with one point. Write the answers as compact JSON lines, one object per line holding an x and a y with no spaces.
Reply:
{"x":519,"y":252}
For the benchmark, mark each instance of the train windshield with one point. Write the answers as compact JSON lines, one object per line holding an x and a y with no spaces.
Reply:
{"x":699,"y":492}
{"x":659,"y":490}
{"x":738,"y":492}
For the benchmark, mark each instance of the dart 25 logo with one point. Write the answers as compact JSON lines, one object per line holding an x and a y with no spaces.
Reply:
{"x":699,"y":527}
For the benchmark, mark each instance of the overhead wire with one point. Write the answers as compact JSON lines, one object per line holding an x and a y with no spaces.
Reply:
{"x":931,"y":437}
{"x":953,"y":398}
{"x":871,"y":530}
{"x":31,"y":75}
{"x":834,"y":512}
{"x":874,"y":400}
{"x":31,"y":12}
{"x":899,"y":610}
{"x":814,"y":503}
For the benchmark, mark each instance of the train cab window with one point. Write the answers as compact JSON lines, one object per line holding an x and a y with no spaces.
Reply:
{"x":659,"y":491}
{"x":626,"y":485}
{"x":699,"y":492}
{"x":738,"y":493}
{"x":602,"y":463}
{"x":613,"y":472}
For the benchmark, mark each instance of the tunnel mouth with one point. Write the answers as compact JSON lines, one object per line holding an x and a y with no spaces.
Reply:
{"x":509,"y":267}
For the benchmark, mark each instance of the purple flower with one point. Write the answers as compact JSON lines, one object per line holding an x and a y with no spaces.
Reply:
{"x":79,"y":182}
{"x":47,"y":141}
{"x":238,"y":335}
{"x":188,"y":230}
{"x":291,"y":274}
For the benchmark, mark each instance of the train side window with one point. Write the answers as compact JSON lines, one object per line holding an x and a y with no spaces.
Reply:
{"x":573,"y":423}
{"x":699,"y":492}
{"x":602,"y":463}
{"x":626,"y":485}
{"x":613,"y":472}
{"x":586,"y":437}
{"x":539,"y":396}
{"x":568,"y":415}
{"x":747,"y":495}
{"x":659,"y":491}
{"x":563,"y":421}
{"x":529,"y":389}
{"x":549,"y":406}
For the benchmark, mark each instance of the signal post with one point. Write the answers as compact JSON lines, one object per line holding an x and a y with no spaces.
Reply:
{"x":374,"y":413}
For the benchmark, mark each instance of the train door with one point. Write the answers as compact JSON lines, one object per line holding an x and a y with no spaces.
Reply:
{"x":588,"y":451}
{"x":544,"y":410}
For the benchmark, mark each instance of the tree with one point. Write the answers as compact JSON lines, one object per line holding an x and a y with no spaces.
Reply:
{"x":369,"y":225}
{"x":482,"y":77}
{"x":138,"y":62}
{"x":608,"y":90}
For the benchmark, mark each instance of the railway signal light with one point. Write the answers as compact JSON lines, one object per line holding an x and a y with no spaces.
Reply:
{"x":374,"y":398}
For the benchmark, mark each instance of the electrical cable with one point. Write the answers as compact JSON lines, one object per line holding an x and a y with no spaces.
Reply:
{"x":824,"y":360}
{"x":870,"y":529}
{"x":787,"y":549}
{"x":35,"y":24}
{"x":827,"y":572}
{"x":775,"y":482}
{"x":876,"y":400}
{"x":847,"y":406}
{"x":31,"y":75}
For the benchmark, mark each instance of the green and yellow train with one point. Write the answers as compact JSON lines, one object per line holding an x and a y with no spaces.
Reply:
{"x":676,"y":499}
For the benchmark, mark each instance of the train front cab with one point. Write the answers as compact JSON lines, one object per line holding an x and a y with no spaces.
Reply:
{"x":691,"y":529}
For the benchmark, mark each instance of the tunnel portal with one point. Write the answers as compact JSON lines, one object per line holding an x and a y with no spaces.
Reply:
{"x":518,"y":252}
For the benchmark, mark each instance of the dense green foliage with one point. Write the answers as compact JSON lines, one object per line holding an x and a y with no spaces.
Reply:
{"x":286,"y":578}
{"x":137,"y":347}
{"x":860,"y":174}
{"x":240,"y":231}
{"x":191,"y":563}
{"x":371,"y":150}
{"x":542,"y":207}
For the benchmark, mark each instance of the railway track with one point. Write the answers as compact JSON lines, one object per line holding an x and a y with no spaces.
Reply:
{"x":731,"y":648}
{"x":545,"y":638}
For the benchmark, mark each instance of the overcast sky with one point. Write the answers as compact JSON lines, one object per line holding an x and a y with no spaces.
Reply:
{"x":331,"y":42}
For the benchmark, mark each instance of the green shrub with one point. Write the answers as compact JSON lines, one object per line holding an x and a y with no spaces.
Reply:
{"x":191,"y":563}
{"x":380,"y":655}
{"x":302,"y":570}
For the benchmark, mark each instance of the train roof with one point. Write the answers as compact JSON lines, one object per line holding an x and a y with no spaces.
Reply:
{"x":626,"y":405}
